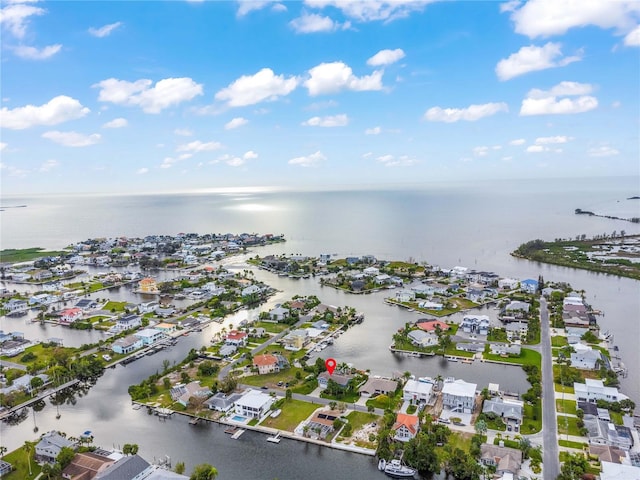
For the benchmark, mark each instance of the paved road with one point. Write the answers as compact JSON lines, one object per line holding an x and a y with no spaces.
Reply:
{"x":6,"y":363}
{"x":549,"y":422}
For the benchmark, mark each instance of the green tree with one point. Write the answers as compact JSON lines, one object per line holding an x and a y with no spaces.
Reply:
{"x":204,"y":471}
{"x":179,"y":468}
{"x":65,"y":456}
{"x":51,"y":471}
{"x":36,"y":382}
{"x":574,"y":467}
{"x":481,"y":427}
{"x":288,"y":394}
{"x":29,"y":447}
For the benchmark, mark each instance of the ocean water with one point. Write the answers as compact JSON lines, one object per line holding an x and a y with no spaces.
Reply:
{"x":472,"y":224}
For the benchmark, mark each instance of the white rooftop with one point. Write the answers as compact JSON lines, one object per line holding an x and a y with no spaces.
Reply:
{"x":253,"y":399}
{"x":617,"y":471}
{"x":147,"y":332}
{"x":419,"y":387}
{"x":460,"y":388}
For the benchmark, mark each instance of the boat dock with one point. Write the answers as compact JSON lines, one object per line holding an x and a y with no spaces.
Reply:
{"x":274,"y":439}
{"x":238,"y":433}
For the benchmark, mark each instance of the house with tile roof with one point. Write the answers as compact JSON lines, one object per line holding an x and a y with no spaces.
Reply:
{"x":406,"y":427}
{"x":269,"y":363}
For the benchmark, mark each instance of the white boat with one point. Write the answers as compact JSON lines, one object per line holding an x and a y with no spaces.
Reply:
{"x":395,"y":469}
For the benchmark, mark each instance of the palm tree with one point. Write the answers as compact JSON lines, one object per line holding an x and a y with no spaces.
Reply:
{"x":28,"y":447}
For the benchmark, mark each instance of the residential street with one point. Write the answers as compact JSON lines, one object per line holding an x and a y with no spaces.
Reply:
{"x":550,"y":460}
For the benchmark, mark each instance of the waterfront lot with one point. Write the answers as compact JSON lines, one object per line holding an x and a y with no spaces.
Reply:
{"x":293,"y":412}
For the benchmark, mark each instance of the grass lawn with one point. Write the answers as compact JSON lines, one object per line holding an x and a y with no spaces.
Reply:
{"x":559,"y":341}
{"x":272,"y":379}
{"x":568,"y":425}
{"x":18,"y":458}
{"x":359,"y":419}
{"x":616,"y":417}
{"x":451,"y":350}
{"x":306,"y":388}
{"x":532,"y":422}
{"x":13,"y":255}
{"x":384,"y":402}
{"x":566,"y":406}
{"x":43,"y":355}
{"x":115,"y":306}
{"x":347,"y":397}
{"x":563,"y":388}
{"x":270,"y":327}
{"x":570,"y":444}
{"x":527,"y":357}
{"x":293,"y":412}
{"x":463,"y":303}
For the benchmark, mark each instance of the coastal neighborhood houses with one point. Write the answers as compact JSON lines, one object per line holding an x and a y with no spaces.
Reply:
{"x":258,"y":359}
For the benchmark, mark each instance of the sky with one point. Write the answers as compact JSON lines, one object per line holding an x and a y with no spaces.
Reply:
{"x":167,"y":96}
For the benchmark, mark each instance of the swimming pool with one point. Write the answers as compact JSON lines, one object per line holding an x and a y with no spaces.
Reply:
{"x":239,"y":418}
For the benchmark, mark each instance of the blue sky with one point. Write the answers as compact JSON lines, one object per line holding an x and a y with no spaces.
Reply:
{"x":190,"y":95}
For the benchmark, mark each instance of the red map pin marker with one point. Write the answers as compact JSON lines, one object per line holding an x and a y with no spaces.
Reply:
{"x":330,"y":363}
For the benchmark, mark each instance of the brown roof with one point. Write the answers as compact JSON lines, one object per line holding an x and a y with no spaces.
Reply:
{"x":607,"y":454}
{"x":85,"y":466}
{"x":430,"y":326}
{"x":264,"y":360}
{"x":325,"y":417}
{"x":409,"y":421}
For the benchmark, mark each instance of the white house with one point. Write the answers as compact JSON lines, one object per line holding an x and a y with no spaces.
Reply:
{"x":516,"y":331}
{"x":585,"y":357}
{"x":529,"y":285}
{"x":405,"y":296}
{"x":253,"y":404}
{"x":50,"y":445}
{"x":251,"y":290}
{"x":279,"y":314}
{"x":149,"y":335}
{"x":371,"y":271}
{"x":406,"y":427}
{"x":127,"y":344}
{"x":421,"y":338}
{"x":459,"y":396}
{"x":16,"y":306}
{"x":508,"y":283}
{"x":478,"y":324}
{"x":128,"y":322}
{"x":593,"y":390}
{"x":417,"y":392}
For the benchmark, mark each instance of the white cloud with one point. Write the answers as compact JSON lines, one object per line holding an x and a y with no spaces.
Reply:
{"x":236,"y":161}
{"x":373,"y":131}
{"x":312,"y":160}
{"x":537,"y":148}
{"x":198,"y":146}
{"x":603,"y":151}
{"x":632,"y":39}
{"x":367,"y":155}
{"x":105,"y":30}
{"x":142,"y":171}
{"x":152,"y":99}
{"x":367,"y":11}
{"x":481,"y":151}
{"x":322,"y":105}
{"x":3,"y":145}
{"x":16,"y":17}
{"x":314,"y":23}
{"x":33,"y":53}
{"x":183,"y":132}
{"x":168,"y":162}
{"x":540,"y":102}
{"x":470,"y":114}
{"x":247,"y":6}
{"x":250,"y":155}
{"x":48,"y":165}
{"x":386,"y":57}
{"x":517,"y":141}
{"x":507,"y":159}
{"x":401,"y":161}
{"x":531,"y":59}
{"x":235,"y":123}
{"x":57,"y":110}
{"x":116,"y":123}
{"x":551,"y":140}
{"x":509,"y":6}
{"x":543,"y":18}
{"x":328,"y":121}
{"x":14,"y":171}
{"x":72,"y":139}
{"x":336,"y":76}
{"x":252,"y":89}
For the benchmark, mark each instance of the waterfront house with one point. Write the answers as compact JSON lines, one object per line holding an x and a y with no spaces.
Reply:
{"x":23,"y":383}
{"x":382,"y":279}
{"x":593,"y":390}
{"x":508,"y":283}
{"x":505,"y":349}
{"x":405,"y":296}
{"x":320,"y":325}
{"x":70,"y":315}
{"x":509,"y":410}
{"x":321,"y":423}
{"x":422,"y":339}
{"x":147,"y":307}
{"x":128,"y":467}
{"x":429,"y":305}
{"x":128,"y":322}
{"x":478,"y":324}
{"x":459,"y":396}
{"x":86,"y":304}
{"x":615,"y":471}
{"x":127,"y":344}
{"x":227,"y":350}
{"x":417,"y":392}
{"x":251,"y":290}
{"x":279,"y":314}
{"x":378,"y":386}
{"x":431,"y":325}
{"x":406,"y":427}
{"x":50,"y":445}
{"x":149,"y":335}
{"x":529,"y":285}
{"x":16,"y":307}
{"x":296,"y":339}
{"x":601,"y":432}
{"x":85,"y":466}
{"x":585,"y":358}
{"x":221,"y":402}
{"x":341,"y":379}
{"x":181,"y":393}
{"x":166,"y":328}
{"x":517,"y":309}
{"x":473,"y":347}
{"x":504,"y":459}
{"x":253,"y":404}
{"x":236,"y":338}
{"x":269,"y":363}
{"x":148,"y":285}
{"x":476,"y":295}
